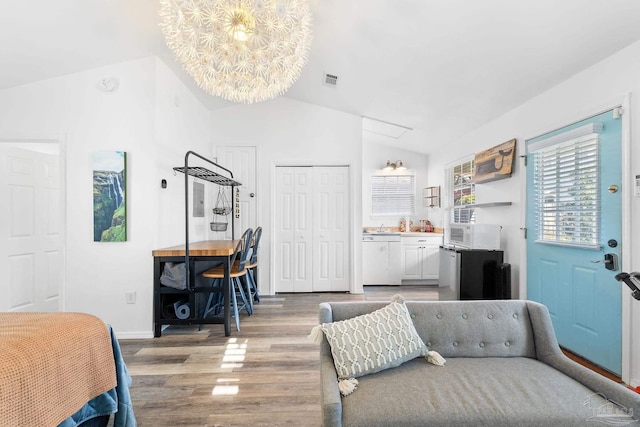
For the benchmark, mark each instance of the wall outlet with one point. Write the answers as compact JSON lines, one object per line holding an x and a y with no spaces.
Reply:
{"x":130,"y":297}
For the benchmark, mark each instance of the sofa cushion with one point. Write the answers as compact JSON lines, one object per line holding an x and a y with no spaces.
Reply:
{"x":372,"y":342}
{"x":500,"y":328}
{"x":489,"y":391}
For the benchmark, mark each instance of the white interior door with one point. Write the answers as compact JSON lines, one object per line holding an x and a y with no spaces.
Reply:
{"x":293,"y":230}
{"x":330,"y":229}
{"x":31,"y":232}
{"x":312,"y":229}
{"x":242,"y":162}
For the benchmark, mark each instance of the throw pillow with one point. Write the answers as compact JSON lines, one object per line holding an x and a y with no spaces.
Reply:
{"x":372,"y":342}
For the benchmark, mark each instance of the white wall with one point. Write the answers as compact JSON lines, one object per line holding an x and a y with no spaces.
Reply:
{"x":181,"y":125}
{"x":288,"y":132}
{"x":70,"y":108}
{"x":374,"y":157}
{"x":589,"y":92}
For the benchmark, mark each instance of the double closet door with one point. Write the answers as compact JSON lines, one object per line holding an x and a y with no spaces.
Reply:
{"x":312,"y":229}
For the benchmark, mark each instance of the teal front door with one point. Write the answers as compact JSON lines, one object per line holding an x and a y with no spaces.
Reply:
{"x":573,"y":222}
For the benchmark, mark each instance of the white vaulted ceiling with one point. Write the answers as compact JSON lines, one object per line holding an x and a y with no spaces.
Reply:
{"x":440,"y":67}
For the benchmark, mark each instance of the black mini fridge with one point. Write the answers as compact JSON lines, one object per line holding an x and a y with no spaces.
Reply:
{"x":475,"y":274}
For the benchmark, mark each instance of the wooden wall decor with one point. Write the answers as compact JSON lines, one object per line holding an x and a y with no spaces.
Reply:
{"x":494,"y":163}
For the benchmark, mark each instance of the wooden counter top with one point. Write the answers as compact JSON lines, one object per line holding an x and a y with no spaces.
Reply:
{"x":204,"y":248}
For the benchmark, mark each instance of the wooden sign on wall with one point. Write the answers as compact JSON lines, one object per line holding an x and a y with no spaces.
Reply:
{"x":494,"y":163}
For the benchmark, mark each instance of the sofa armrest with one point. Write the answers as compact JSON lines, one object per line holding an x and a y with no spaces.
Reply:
{"x":610,"y":390}
{"x":548,"y":351}
{"x":330,"y":394}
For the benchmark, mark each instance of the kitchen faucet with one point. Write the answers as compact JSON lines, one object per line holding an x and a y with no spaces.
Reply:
{"x":380,"y":229}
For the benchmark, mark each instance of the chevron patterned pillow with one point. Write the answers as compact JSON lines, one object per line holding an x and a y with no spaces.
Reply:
{"x":383,"y":339}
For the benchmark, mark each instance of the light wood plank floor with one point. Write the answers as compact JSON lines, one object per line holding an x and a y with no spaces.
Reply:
{"x":265,"y":375}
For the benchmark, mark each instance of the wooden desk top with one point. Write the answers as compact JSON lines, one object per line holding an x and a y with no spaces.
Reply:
{"x":204,"y":248}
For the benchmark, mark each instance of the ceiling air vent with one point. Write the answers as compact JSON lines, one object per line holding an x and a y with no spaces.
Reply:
{"x":330,"y":79}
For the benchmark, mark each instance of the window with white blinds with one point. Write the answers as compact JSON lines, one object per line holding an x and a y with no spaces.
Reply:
{"x":393,"y":194}
{"x":566,"y":188}
{"x":461,"y":192}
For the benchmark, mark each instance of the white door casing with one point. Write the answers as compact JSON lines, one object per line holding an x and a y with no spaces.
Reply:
{"x":31,"y":230}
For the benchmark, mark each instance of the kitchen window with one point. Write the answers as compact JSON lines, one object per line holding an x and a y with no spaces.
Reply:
{"x":393,"y":194}
{"x":461,"y":191}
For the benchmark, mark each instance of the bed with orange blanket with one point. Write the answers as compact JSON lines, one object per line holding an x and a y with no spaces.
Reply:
{"x":51,"y":365}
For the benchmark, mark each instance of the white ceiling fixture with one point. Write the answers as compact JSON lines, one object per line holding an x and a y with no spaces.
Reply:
{"x":241,"y":50}
{"x":381,"y":127}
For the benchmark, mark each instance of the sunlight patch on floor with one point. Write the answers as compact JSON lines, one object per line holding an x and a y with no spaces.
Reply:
{"x":234,"y":353}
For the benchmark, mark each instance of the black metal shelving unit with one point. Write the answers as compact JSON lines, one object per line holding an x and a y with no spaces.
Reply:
{"x":162,"y":292}
{"x":205,"y":175}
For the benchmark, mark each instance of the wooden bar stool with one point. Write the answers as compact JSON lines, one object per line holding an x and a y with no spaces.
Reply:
{"x":238,"y":270}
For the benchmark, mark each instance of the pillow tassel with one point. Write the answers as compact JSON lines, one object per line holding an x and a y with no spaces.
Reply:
{"x":316,"y":334}
{"x":434,"y":358}
{"x":347,"y":386}
{"x":397,"y":298}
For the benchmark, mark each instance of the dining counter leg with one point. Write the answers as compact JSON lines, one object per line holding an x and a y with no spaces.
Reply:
{"x":227,"y":298}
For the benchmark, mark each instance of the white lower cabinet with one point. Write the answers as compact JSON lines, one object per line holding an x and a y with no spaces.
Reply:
{"x":420,"y":258}
{"x":381,"y":263}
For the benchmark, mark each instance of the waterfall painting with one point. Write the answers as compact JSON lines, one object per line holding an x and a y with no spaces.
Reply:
{"x":109,"y":201}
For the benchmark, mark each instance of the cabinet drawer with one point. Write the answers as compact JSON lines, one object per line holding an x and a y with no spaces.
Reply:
{"x":422,"y":240}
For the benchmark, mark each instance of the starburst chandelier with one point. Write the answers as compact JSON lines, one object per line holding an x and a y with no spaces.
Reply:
{"x":241,"y":50}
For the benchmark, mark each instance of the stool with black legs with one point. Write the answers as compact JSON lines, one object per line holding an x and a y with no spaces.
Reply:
{"x":237,"y":271}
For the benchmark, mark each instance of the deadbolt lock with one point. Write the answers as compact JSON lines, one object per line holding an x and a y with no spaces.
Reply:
{"x":610,"y":262}
{"x":613,"y":188}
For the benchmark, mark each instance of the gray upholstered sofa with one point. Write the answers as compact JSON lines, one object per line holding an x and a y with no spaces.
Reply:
{"x":504,"y":368}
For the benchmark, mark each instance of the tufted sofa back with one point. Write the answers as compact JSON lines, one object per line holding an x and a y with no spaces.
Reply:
{"x":488,"y":328}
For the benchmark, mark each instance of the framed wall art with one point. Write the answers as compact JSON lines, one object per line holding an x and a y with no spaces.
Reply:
{"x":109,"y":196}
{"x":494,"y":163}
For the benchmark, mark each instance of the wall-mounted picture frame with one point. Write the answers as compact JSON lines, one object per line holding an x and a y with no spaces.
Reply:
{"x":109,"y":196}
{"x":495,"y":163}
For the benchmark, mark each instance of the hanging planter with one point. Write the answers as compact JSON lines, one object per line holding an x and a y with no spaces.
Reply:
{"x":223,"y":209}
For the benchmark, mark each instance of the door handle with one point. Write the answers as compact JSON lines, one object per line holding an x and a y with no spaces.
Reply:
{"x":610,"y":262}
{"x":629,"y":279}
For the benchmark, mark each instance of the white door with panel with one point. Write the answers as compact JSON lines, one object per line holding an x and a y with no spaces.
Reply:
{"x":330,"y":229}
{"x":241,"y":161}
{"x":31,"y":242}
{"x":293,"y":230}
{"x":312,"y":231}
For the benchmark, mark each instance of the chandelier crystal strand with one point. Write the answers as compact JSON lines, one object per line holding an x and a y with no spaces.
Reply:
{"x":243,"y":51}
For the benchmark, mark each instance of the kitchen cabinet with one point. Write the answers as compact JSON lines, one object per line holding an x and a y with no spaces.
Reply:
{"x":381,"y":260}
{"x":420,"y":258}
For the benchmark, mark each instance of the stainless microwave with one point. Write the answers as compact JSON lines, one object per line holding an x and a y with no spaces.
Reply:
{"x":474,"y":236}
